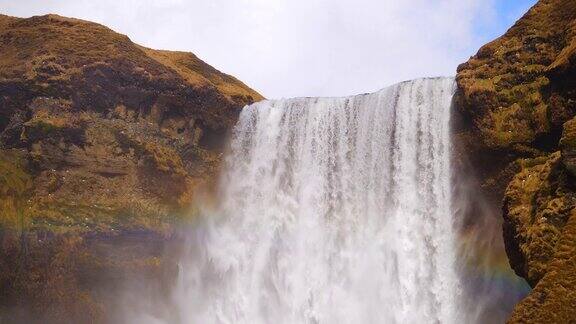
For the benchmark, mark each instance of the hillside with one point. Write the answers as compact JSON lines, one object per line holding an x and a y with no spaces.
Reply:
{"x":103,"y":145}
{"x":518,"y":96}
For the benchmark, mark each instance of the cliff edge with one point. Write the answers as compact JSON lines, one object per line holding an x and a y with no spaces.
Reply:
{"x":517,"y":95}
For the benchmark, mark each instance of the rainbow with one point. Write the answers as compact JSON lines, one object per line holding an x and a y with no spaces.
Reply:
{"x":486,"y":272}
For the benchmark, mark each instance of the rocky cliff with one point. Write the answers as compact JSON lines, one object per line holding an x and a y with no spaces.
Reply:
{"x":517,"y":101}
{"x":103,"y":145}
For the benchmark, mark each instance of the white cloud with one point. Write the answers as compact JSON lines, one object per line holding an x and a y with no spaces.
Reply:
{"x":286,"y":48}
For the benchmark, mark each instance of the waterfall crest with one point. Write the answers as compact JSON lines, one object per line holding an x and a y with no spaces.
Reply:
{"x":334,"y":210}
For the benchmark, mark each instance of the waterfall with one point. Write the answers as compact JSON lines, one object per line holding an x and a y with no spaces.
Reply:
{"x":333,"y":210}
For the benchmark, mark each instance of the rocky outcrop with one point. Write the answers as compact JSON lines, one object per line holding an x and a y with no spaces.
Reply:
{"x":103,"y":145}
{"x":538,"y":202}
{"x":517,"y":90}
{"x":517,"y":100}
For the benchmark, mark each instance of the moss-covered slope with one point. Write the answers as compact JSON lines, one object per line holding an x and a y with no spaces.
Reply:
{"x":103,"y":145}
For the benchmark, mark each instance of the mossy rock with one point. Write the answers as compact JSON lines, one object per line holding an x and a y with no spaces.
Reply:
{"x":568,"y":145}
{"x":15,"y":188}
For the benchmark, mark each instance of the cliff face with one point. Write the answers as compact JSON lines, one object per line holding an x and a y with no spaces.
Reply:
{"x":103,"y":144}
{"x":518,"y":96}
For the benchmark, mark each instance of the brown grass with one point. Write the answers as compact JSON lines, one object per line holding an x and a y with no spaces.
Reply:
{"x":61,"y":46}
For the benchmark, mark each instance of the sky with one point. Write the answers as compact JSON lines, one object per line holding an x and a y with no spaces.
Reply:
{"x":294,"y":48}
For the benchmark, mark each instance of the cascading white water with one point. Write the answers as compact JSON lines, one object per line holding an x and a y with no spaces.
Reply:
{"x":334,"y":210}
